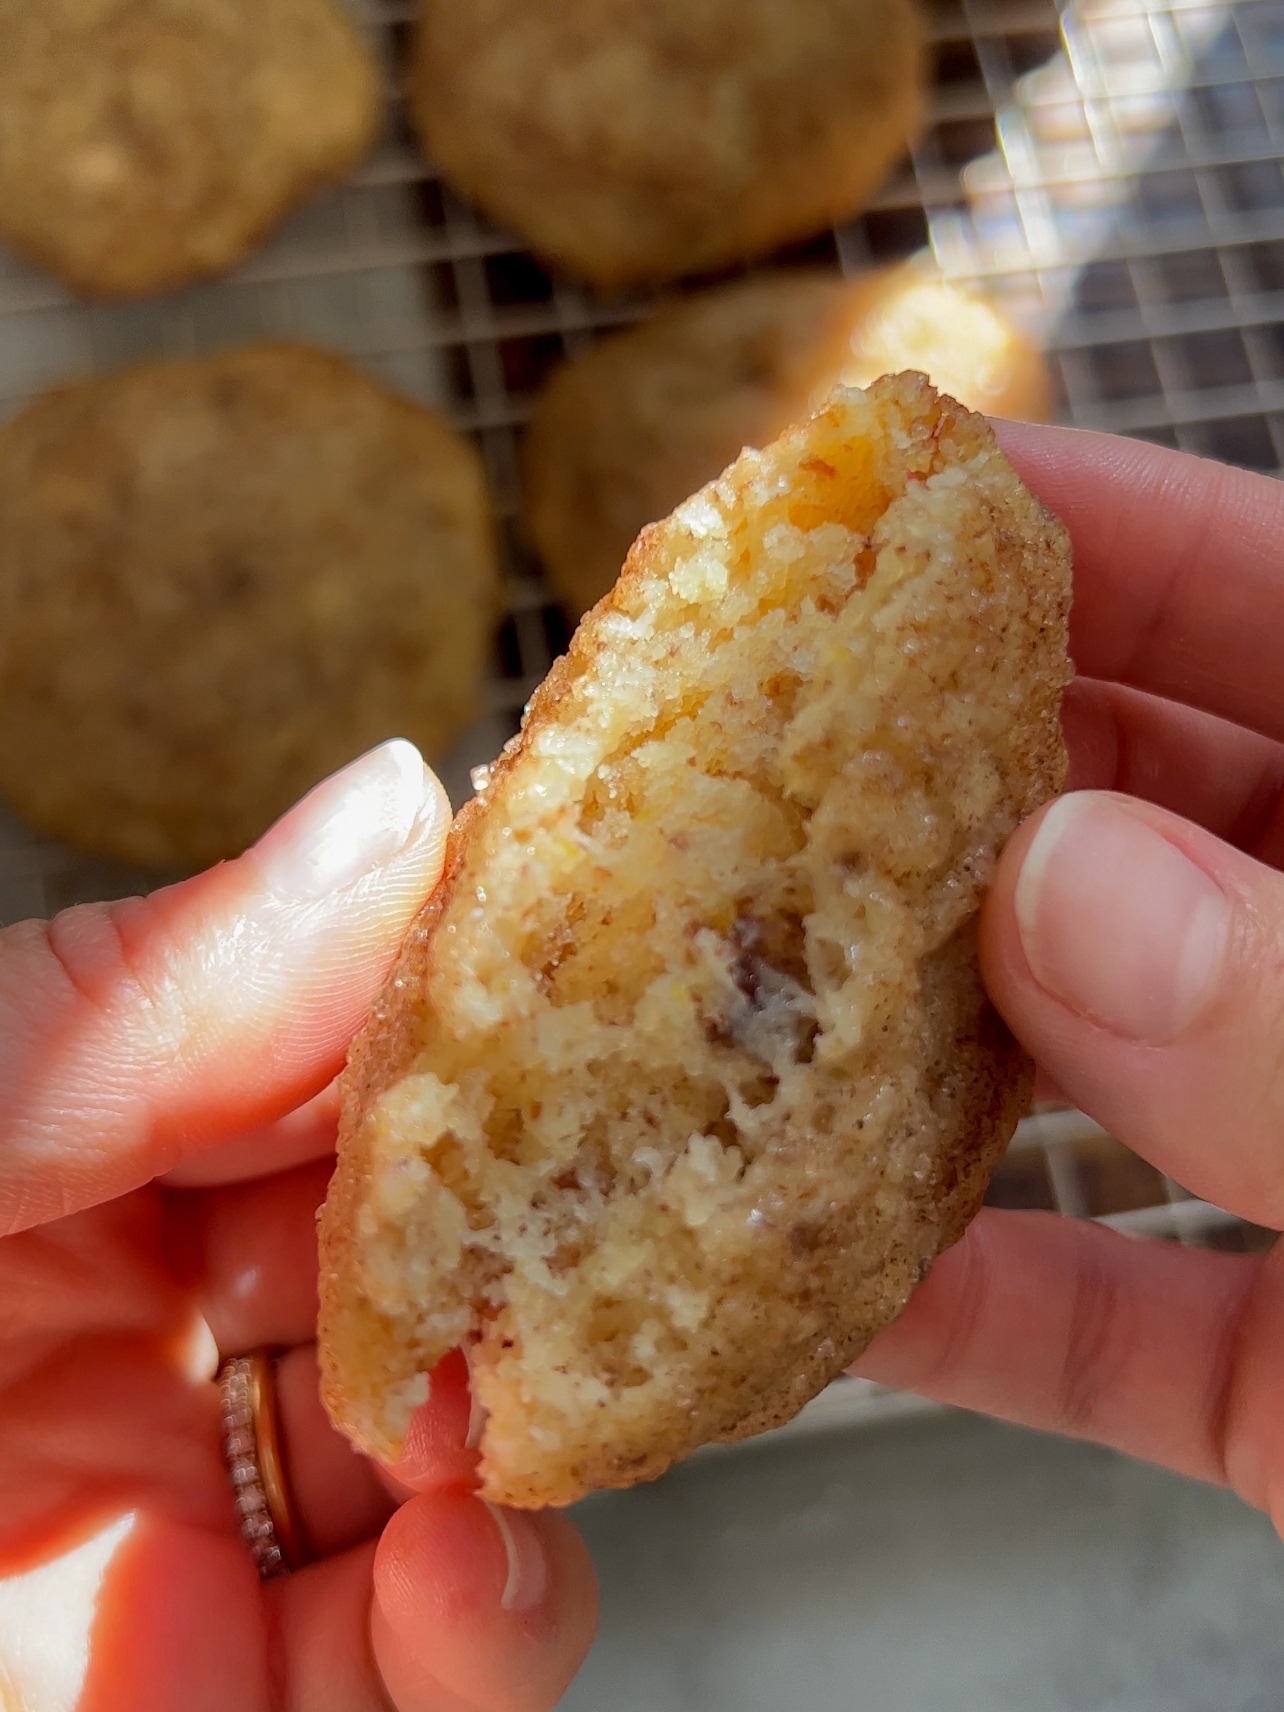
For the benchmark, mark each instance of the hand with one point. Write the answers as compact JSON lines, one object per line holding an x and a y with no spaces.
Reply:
{"x":165,"y":1121}
{"x":1135,"y":944}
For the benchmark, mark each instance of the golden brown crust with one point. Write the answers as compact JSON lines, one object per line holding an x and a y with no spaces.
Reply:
{"x":220,"y":578}
{"x":145,"y":144}
{"x":623,"y":433}
{"x":634,"y":141}
{"x":776,"y":1244}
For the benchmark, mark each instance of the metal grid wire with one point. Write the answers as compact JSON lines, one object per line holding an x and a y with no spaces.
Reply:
{"x":1109,"y":171}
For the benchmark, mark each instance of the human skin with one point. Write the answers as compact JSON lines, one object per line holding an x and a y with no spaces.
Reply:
{"x":1135,"y":942}
{"x":167,"y":1112}
{"x":191,"y":1038}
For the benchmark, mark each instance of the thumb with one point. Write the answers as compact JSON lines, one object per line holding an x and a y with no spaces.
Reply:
{"x":1141,"y":961}
{"x":133,"y":1034}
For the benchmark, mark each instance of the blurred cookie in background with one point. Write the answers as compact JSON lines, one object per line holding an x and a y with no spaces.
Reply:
{"x":221,"y":578}
{"x":635,"y":141}
{"x":623,"y":433}
{"x":145,"y":144}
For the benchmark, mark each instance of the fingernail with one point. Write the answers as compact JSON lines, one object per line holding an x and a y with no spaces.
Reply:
{"x":476,"y":1422}
{"x":476,"y":1414}
{"x":1119,"y":924}
{"x":353,"y":822}
{"x":527,"y":1565}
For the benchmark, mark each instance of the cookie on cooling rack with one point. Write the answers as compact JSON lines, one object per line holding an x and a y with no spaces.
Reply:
{"x":626,"y":431}
{"x":686,"y":1072}
{"x":148,"y":143}
{"x":220,"y":578}
{"x":633,"y":141}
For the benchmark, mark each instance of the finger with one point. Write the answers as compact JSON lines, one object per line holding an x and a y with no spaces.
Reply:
{"x":440,"y":1445}
{"x":1178,"y":581}
{"x":80,"y":1431}
{"x":72,"y":1443}
{"x":140,"y":1033}
{"x":85,"y":1277}
{"x":1219,"y":775}
{"x":1076,"y":1329}
{"x":342,"y":1497}
{"x":1141,"y":962}
{"x":248,"y":1252}
{"x":336,"y":1493}
{"x":1224,"y":778}
{"x":496,"y":1606}
{"x":157,"y":1612}
{"x":321,"y":1618}
{"x":135,"y":1610}
{"x":474,"y":1610}
{"x":308,"y":1132}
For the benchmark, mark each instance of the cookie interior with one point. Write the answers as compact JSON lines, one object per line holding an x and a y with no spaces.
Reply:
{"x":688,"y":1074}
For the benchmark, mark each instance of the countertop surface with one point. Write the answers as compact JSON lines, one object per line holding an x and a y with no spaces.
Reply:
{"x":940,"y":1565}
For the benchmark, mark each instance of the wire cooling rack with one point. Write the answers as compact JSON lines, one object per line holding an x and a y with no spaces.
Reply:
{"x":1109,"y":171}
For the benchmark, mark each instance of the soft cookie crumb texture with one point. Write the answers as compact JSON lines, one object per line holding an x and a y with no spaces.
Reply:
{"x":686,"y":1073}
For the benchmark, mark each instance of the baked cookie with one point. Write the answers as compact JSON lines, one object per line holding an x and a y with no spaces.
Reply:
{"x":220,"y":579}
{"x":633,"y":141}
{"x":148,"y":143}
{"x":622,"y":434}
{"x":686,"y":1072}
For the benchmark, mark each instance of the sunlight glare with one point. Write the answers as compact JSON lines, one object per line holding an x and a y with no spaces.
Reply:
{"x":47,"y":1619}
